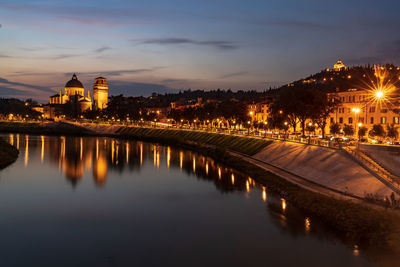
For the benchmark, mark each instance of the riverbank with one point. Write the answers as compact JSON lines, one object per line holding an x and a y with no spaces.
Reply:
{"x":49,"y":128}
{"x":362,"y":224}
{"x":8,"y":154}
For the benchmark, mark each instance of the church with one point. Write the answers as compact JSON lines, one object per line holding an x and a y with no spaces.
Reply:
{"x":74,"y":91}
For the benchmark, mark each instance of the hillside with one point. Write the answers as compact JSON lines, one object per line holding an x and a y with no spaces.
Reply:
{"x":360,"y":77}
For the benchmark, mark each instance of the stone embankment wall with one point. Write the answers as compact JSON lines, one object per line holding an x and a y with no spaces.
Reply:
{"x":329,"y":167}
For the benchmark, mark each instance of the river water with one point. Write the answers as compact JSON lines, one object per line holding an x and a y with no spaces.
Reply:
{"x":71,"y":201}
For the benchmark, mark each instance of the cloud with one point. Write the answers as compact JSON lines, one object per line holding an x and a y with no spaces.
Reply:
{"x":115,"y":72}
{"x":63,"y":56}
{"x":30,"y":86}
{"x":381,"y":53}
{"x":8,"y":91}
{"x":292,"y":23}
{"x":5,"y":56}
{"x":218,"y":44}
{"x":32,"y":49}
{"x":234,"y":74}
{"x":174,"y":81}
{"x":102,"y":49}
{"x":137,"y":88}
{"x":83,"y":15}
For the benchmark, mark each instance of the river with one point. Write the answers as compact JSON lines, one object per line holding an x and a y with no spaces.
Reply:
{"x":71,"y":201}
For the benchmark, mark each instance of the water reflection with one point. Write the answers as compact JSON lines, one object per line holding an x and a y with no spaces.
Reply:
{"x":77,"y":157}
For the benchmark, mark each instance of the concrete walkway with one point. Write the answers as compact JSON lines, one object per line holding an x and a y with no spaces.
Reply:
{"x":327,"y":167}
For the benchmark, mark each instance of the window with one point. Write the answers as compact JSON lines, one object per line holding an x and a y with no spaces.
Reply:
{"x":384,"y":110}
{"x":340,"y":120}
{"x":396,"y":120}
{"x":361,"y":120}
{"x":332,"y":120}
{"x":383,"y":120}
{"x":350,"y":120}
{"x":371,"y":109}
{"x":354,"y":98}
{"x":371,"y":120}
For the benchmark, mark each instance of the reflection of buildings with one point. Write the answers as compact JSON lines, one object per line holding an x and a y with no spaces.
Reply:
{"x":77,"y":156}
{"x":100,"y":165}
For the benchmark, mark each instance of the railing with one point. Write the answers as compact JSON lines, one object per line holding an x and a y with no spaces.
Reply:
{"x":375,"y":167}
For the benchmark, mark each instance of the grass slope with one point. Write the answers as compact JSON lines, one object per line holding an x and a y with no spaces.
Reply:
{"x":249,"y":146}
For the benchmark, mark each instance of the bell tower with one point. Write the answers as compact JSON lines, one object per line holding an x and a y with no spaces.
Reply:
{"x":100,"y":93}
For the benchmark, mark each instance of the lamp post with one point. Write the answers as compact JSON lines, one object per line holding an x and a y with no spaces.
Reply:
{"x":265,"y":129}
{"x":356,"y":111}
{"x":285,"y":123}
{"x":251,"y":113}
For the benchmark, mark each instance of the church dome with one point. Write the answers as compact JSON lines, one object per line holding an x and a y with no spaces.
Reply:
{"x":74,"y":82}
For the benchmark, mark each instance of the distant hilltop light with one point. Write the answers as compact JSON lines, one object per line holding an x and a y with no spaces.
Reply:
{"x":339,"y":66}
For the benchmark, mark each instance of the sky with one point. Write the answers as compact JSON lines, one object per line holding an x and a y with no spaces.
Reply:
{"x":168,"y":45}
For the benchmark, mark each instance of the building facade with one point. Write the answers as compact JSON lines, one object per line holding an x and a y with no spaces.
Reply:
{"x":358,"y":108}
{"x":100,"y":93}
{"x":74,"y":91}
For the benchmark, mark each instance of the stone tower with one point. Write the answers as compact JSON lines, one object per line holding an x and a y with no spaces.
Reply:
{"x":100,"y":93}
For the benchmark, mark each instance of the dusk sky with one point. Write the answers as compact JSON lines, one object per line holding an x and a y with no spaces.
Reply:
{"x":158,"y":46}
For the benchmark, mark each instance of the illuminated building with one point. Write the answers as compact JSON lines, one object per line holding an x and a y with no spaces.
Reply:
{"x":260,"y":111}
{"x":357,"y":108}
{"x":100,"y":93}
{"x":73,"y":88}
{"x":339,"y":66}
{"x":73,"y":91}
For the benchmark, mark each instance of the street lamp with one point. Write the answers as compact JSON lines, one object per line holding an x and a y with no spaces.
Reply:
{"x":285,"y":123}
{"x":356,"y":111}
{"x":265,"y":129}
{"x":379,"y":94}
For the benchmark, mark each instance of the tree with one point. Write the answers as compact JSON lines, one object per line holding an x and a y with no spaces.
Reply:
{"x":362,"y":131}
{"x":377,"y":131}
{"x":335,"y":128}
{"x":310,"y":128}
{"x":392,"y":131}
{"x":283,"y":109}
{"x":323,"y":107}
{"x":71,"y":108}
{"x":348,"y":130}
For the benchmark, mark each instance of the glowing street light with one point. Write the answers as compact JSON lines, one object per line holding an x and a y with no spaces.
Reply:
{"x":379,"y":94}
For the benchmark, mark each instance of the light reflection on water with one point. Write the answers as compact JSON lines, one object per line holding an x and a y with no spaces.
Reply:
{"x":148,"y":206}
